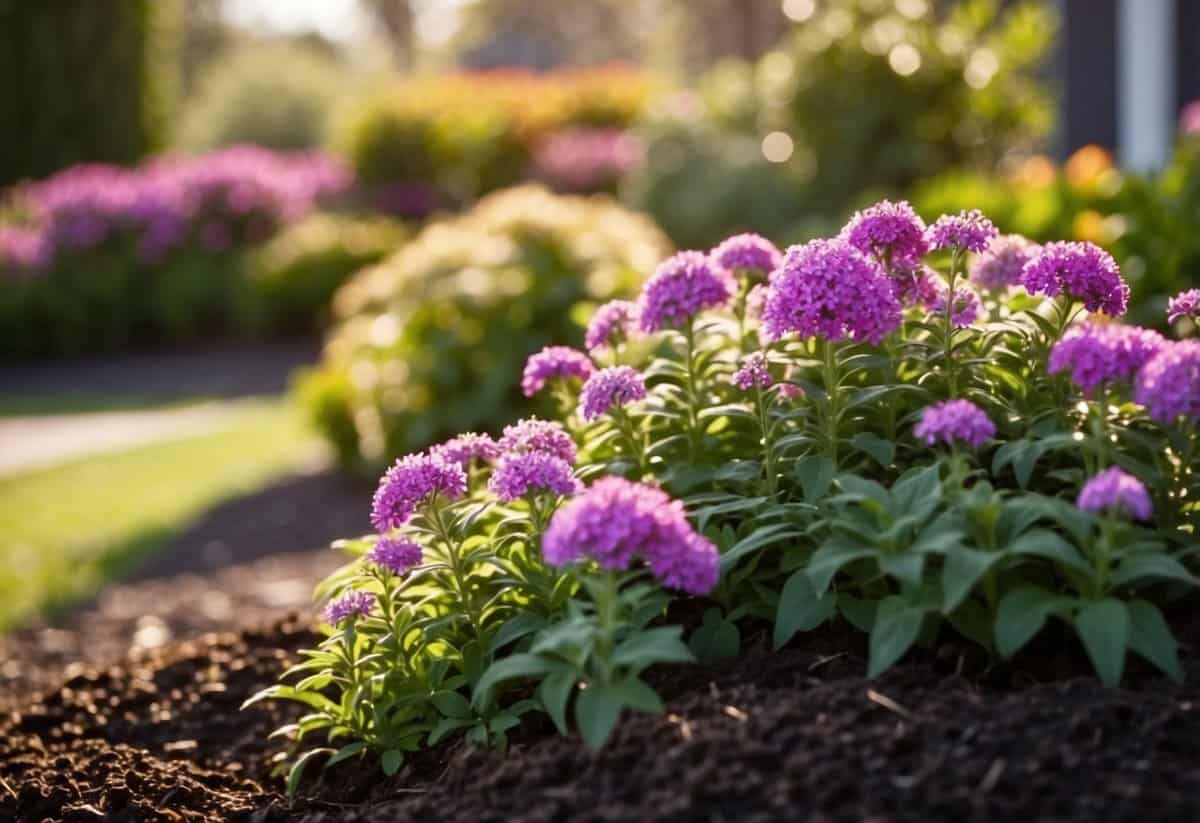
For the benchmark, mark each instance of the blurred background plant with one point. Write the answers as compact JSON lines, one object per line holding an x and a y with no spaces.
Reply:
{"x":428,"y":341}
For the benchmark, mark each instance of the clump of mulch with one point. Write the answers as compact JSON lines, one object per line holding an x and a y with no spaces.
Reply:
{"x":793,"y":735}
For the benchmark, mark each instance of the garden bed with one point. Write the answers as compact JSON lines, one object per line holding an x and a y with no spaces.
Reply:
{"x":799,"y":734}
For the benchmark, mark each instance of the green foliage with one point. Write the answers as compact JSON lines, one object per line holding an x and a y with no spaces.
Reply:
{"x":275,"y":96}
{"x":876,"y":100}
{"x":83,"y":82}
{"x":429,"y":341}
{"x":293,"y":277}
{"x":469,"y":134}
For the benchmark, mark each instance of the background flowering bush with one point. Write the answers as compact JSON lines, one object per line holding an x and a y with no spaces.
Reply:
{"x":100,"y":255}
{"x":427,"y":341}
{"x":1029,"y":471}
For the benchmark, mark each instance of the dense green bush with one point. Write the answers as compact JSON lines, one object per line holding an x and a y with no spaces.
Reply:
{"x":461,"y":136}
{"x":275,"y":96}
{"x":82,"y":82}
{"x":294,"y":276}
{"x":430,"y":340}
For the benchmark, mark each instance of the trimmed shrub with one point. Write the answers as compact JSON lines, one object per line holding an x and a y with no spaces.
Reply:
{"x":82,"y":82}
{"x":430,"y":340}
{"x":274,"y":96}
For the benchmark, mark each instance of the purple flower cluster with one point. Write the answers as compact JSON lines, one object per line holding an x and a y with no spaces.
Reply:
{"x":916,"y":286}
{"x":753,"y":371}
{"x":966,"y":308}
{"x":828,"y":289}
{"x":965,"y":231}
{"x":1000,"y":265}
{"x":1115,"y":490}
{"x":350,"y":605}
{"x":682,"y":286}
{"x":518,"y":475}
{"x":612,"y":323}
{"x":1101,"y":354}
{"x":1184,"y":304}
{"x":1083,"y":271}
{"x":614,"y":386}
{"x":1169,"y":384}
{"x":616,"y":520}
{"x":413,"y":481}
{"x":955,"y":421}
{"x":467,"y":447}
{"x":212,"y":201}
{"x":534,"y":435}
{"x":395,"y":554}
{"x":892,"y":233}
{"x":747,"y":253}
{"x":554,"y":362}
{"x":585,"y":160}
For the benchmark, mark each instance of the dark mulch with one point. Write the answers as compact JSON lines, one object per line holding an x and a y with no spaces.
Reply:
{"x":795,"y":735}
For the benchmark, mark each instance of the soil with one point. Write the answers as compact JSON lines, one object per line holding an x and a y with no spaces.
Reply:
{"x":156,"y":733}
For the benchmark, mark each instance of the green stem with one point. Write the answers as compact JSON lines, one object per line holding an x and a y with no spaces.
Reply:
{"x":689,"y":333}
{"x":607,"y":596}
{"x":948,"y":354}
{"x":832,"y":401}
{"x":457,"y":572}
{"x":635,"y":444}
{"x":764,"y":423}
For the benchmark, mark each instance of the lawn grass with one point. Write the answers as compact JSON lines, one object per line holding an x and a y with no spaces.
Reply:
{"x":65,"y":530}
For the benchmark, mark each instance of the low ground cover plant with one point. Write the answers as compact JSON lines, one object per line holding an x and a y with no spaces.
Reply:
{"x":919,"y":430}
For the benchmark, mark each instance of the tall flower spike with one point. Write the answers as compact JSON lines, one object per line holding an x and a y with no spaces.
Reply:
{"x":1103,"y":354}
{"x":683,"y":286}
{"x":752,"y":372}
{"x":614,"y":386}
{"x":466,"y":448}
{"x":747,"y":253}
{"x":412,"y":482}
{"x":534,"y":435}
{"x":612,"y":323}
{"x":1000,"y":265}
{"x":551,"y":363}
{"x":518,"y":475}
{"x":965,"y":231}
{"x":1083,"y":271}
{"x":890,"y":232}
{"x":955,"y":421}
{"x":1113,"y":490}
{"x":966,"y":309}
{"x":828,"y":289}
{"x":1169,"y":384}
{"x":616,"y":521}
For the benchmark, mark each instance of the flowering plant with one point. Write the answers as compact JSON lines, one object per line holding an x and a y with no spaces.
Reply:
{"x":844,"y":448}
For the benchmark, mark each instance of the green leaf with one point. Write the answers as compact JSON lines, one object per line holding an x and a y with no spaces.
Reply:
{"x":757,"y":539}
{"x":860,"y":612}
{"x":297,"y":769}
{"x":917,"y":489}
{"x":1049,"y":546}
{"x":451,"y":704}
{"x":554,"y":692}
{"x":1104,"y":629}
{"x":905,"y":566}
{"x":507,"y":668}
{"x":637,"y":695}
{"x":645,"y":648}
{"x":1021,"y":614}
{"x":801,"y":608}
{"x":878,"y":449}
{"x":897,"y":624}
{"x":347,"y":751}
{"x":445,"y":726}
{"x":1151,"y":565}
{"x":831,"y":557}
{"x":596,"y":712}
{"x":860,"y":488}
{"x":516,"y":628}
{"x":390,"y":761}
{"x":716,"y":639}
{"x":961,"y":571}
{"x":1150,"y":637}
{"x":313,"y":700}
{"x":815,"y":473}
